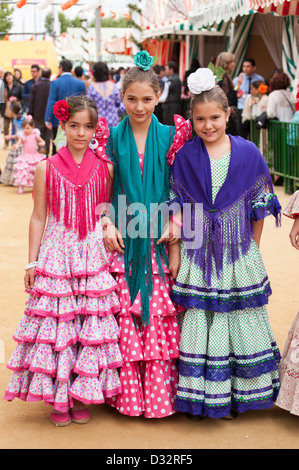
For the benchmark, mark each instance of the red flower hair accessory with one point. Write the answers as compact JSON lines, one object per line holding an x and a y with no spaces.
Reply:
{"x":62,"y":110}
{"x":262,"y":89}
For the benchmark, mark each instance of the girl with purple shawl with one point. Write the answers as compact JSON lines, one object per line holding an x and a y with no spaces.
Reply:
{"x":228,"y":355}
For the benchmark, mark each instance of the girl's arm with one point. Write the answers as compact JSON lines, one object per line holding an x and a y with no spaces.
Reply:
{"x":257,"y":231}
{"x":112,"y":238}
{"x":37,"y":220}
{"x":41,"y":141}
{"x":246,"y":113}
{"x":294,"y":233}
{"x":174,"y":259}
{"x":18,"y":144}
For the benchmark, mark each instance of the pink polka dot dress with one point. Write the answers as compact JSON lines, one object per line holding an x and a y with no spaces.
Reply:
{"x":149,"y":373}
{"x":68,"y":339}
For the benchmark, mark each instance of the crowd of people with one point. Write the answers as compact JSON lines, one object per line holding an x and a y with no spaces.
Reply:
{"x":248,"y":96}
{"x":129,"y":308}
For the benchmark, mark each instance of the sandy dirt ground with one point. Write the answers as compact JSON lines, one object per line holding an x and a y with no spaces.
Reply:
{"x":27,"y":425}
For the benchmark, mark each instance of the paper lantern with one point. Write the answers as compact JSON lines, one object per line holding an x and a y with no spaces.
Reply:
{"x":6,"y":37}
{"x":102,"y":14}
{"x":127,"y":16}
{"x":21,"y":3}
{"x":113,"y":14}
{"x":68,"y":4}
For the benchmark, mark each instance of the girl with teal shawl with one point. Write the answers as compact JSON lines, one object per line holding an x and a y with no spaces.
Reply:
{"x":149,"y":331}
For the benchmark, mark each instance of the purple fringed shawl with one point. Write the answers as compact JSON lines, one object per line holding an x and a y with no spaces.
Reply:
{"x":85,"y":186}
{"x":227,"y":222}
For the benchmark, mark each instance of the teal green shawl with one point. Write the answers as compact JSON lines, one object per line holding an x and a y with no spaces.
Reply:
{"x":150,"y":189}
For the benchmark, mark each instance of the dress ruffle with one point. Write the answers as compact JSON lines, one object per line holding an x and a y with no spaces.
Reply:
{"x":218,"y":371}
{"x":288,"y":397}
{"x":149,"y":374}
{"x":292,"y":207}
{"x":7,"y":175}
{"x":25,"y":167}
{"x":68,"y":337}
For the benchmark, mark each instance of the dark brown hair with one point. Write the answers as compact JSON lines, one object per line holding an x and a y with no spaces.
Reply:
{"x":28,"y":121}
{"x":215,"y":94}
{"x":136,"y":74}
{"x":100,"y":72}
{"x":280,"y":81}
{"x":82,"y":102}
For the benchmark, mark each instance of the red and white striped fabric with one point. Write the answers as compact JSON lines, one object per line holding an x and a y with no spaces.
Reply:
{"x":280,"y":7}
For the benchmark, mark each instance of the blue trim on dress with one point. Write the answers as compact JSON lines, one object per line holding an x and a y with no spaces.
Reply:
{"x":226,"y":370}
{"x":219,"y":411}
{"x":218,"y":304}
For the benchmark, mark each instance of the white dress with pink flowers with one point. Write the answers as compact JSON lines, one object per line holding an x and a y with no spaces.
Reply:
{"x":27,"y":161}
{"x":67,"y":340}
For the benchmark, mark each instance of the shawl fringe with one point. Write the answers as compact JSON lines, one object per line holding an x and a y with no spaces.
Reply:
{"x":74,"y":205}
{"x":229,"y":229}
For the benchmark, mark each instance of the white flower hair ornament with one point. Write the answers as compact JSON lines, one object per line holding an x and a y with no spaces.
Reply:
{"x":204,"y":79}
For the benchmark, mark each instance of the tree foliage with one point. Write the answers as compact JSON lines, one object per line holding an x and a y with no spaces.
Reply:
{"x":113,"y":23}
{"x":6,"y":21}
{"x":64,"y":22}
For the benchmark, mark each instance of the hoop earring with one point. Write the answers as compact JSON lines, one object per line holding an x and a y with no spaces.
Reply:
{"x":94,"y":144}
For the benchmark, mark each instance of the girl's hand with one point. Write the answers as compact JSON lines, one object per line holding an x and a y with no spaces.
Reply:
{"x":171,"y":234}
{"x":112,"y":239}
{"x":294,"y":234}
{"x":29,"y":278}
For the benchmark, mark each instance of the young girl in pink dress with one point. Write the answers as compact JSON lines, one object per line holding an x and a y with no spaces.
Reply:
{"x":27,"y":161}
{"x":68,"y":352}
{"x":149,"y":330}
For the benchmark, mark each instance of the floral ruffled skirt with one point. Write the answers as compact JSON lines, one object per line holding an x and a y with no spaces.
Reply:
{"x":67,"y":340}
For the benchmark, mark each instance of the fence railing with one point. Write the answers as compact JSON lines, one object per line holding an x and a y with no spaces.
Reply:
{"x":279,"y":145}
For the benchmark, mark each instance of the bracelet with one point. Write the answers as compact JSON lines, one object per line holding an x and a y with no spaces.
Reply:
{"x":176,"y":221}
{"x":31,"y":265}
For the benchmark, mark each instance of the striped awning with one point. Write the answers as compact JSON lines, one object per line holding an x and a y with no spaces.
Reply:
{"x":214,"y":11}
{"x":278,"y":7}
{"x":184,"y":28}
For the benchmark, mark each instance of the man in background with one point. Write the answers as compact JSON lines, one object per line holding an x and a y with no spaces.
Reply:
{"x":35,"y":73}
{"x":37,"y":105}
{"x":172,"y":103}
{"x":242,"y":85}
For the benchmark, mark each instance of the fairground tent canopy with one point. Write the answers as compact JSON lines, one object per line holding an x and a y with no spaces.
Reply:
{"x":276,"y":21}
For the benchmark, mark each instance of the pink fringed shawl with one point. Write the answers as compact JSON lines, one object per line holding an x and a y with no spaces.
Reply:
{"x":83,"y":188}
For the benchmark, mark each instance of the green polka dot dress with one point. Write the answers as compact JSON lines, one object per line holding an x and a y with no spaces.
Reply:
{"x":228,"y":354}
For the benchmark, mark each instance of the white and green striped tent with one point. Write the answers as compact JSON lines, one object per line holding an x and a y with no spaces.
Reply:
{"x":247,"y":12}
